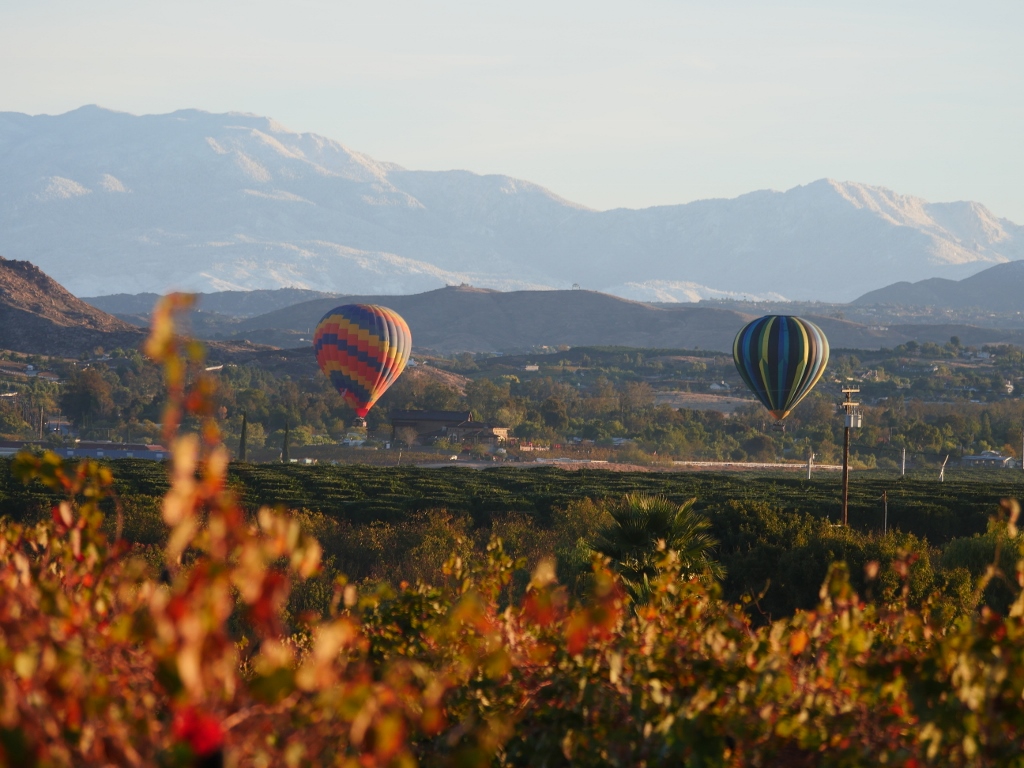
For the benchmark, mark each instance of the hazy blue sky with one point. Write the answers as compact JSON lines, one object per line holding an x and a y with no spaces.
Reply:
{"x":606,"y":103}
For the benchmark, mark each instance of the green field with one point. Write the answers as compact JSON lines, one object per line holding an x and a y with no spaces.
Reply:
{"x":779,"y":529}
{"x":361,"y":494}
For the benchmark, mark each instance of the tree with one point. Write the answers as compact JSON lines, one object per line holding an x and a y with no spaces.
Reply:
{"x":509,"y":416}
{"x":12,"y":424}
{"x":639,"y":522}
{"x":406,"y":436}
{"x":985,"y":433}
{"x":87,"y":395}
{"x":256,"y":436}
{"x":242,"y":438}
{"x":304,"y":434}
{"x":636,"y":395}
{"x":439,"y":397}
{"x":485,"y":397}
{"x":760,"y":448}
{"x":554,"y":413}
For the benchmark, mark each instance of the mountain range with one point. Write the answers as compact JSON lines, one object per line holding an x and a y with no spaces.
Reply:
{"x":38,"y":316}
{"x":108,"y":202}
{"x":468,"y":319}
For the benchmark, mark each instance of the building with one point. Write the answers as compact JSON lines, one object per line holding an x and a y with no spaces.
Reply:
{"x":108,"y":450}
{"x":476,"y":432}
{"x":92,"y":450}
{"x":455,"y":426}
{"x":989,"y":460}
{"x":426,"y":423}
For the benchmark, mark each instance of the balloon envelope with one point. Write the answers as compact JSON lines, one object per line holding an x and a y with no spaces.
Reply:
{"x":780,"y":358}
{"x":362,"y":348}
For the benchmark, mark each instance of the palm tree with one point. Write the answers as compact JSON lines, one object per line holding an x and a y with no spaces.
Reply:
{"x":639,"y":522}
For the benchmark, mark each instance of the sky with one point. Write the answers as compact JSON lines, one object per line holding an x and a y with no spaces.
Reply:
{"x":608,"y":104}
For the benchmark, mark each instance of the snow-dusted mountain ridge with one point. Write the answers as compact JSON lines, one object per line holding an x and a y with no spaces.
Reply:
{"x":108,"y":202}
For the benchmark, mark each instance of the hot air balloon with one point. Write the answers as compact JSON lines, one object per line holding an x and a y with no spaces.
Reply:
{"x":780,"y":358}
{"x":362,"y":348}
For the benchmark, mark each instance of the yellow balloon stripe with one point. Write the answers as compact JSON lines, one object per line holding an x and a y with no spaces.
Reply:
{"x":763,"y":363}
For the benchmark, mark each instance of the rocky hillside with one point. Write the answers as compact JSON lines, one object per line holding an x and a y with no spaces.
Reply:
{"x":209,"y":202}
{"x":37,"y":315}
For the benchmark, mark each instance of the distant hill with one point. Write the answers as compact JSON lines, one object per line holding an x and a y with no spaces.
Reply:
{"x":998,"y":289}
{"x":228,"y":303}
{"x":38,"y":316}
{"x":207,"y":202}
{"x":457,"y":319}
{"x":464,"y":318}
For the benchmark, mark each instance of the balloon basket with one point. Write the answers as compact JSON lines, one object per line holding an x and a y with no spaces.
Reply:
{"x":779,"y":426}
{"x":359,"y":422}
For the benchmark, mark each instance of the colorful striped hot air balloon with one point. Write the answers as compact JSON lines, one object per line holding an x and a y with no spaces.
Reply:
{"x":362,"y":348}
{"x":780,"y":358}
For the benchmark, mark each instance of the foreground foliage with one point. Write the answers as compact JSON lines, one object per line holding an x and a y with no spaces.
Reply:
{"x":102,"y":662}
{"x":112,"y":654}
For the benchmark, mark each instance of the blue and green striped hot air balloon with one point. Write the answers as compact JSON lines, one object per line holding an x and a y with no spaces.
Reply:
{"x":780,"y":358}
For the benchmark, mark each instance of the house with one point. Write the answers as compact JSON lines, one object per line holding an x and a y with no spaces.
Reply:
{"x":61,"y":426}
{"x":426,"y":423}
{"x":11,"y":368}
{"x":455,"y":426}
{"x":989,"y":460}
{"x":476,"y":432}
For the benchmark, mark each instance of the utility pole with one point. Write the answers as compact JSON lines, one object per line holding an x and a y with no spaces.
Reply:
{"x":903,"y":472}
{"x":942,"y":472}
{"x":885,"y":507}
{"x":243,"y":438}
{"x":810,"y":463}
{"x":852,"y":420}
